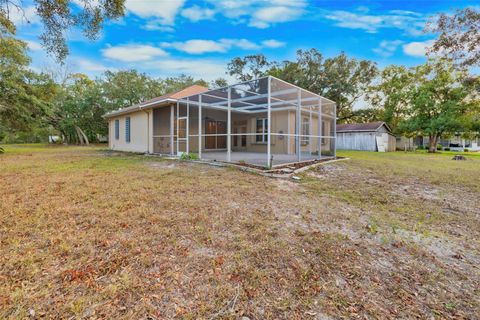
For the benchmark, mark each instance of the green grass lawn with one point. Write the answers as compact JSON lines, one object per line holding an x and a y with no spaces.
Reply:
{"x":90,"y":233}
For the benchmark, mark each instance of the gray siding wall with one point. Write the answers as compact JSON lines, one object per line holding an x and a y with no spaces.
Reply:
{"x":357,"y":141}
{"x":392,"y":143}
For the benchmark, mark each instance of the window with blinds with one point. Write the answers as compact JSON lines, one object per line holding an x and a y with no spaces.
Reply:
{"x":127,"y":129}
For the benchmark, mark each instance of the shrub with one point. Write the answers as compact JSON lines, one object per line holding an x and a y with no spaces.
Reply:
{"x":421,"y":147}
{"x":446,"y":149}
{"x":2,"y":150}
{"x":465,"y":150}
{"x":439,"y":147}
{"x":189,"y":156}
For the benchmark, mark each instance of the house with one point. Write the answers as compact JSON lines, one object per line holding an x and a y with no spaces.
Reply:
{"x":264,"y":122}
{"x":453,"y":143}
{"x":373,"y":136}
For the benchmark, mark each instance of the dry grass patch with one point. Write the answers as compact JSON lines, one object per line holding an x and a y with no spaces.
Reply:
{"x":89,"y":233}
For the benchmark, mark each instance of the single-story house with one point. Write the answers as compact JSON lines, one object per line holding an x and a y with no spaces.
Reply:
{"x":454,"y":143}
{"x":373,"y":136}
{"x":265,"y":122}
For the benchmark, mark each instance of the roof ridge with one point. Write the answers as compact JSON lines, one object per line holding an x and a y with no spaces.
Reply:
{"x":362,"y":126}
{"x":171,"y":95}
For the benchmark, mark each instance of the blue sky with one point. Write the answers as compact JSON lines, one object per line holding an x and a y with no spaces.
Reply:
{"x":170,"y":37}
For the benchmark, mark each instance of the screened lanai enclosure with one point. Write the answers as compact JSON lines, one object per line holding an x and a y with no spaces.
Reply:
{"x":265,"y":122}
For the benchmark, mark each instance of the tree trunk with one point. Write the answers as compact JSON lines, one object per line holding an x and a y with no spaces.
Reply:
{"x":79,"y":135}
{"x":82,"y":137}
{"x":432,"y":144}
{"x":85,"y":138}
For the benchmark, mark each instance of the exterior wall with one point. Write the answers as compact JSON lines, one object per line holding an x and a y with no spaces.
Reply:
{"x":392,"y":143}
{"x":364,"y":141}
{"x":404,"y":143}
{"x":455,"y":143}
{"x":139,"y":132}
{"x":161,"y":127}
{"x":282,"y":122}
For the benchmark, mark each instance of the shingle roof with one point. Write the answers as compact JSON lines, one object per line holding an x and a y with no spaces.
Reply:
{"x":352,"y":127}
{"x":194,"y":89}
{"x":178,"y":94}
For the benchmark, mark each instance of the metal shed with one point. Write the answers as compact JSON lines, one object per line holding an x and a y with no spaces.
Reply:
{"x":373,"y":136}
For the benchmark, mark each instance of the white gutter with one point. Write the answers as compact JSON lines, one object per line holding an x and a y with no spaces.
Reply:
{"x":140,"y":107}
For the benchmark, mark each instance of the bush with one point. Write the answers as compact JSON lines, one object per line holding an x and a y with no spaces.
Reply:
{"x":2,"y":150}
{"x":421,"y":147}
{"x":465,"y":150}
{"x":446,"y":149}
{"x":189,"y":156}
{"x":439,"y":147}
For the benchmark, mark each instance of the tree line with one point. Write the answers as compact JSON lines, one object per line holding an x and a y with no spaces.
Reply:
{"x":34,"y":105}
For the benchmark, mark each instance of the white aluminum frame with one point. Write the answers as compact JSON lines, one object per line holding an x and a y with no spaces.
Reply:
{"x":251,"y":98}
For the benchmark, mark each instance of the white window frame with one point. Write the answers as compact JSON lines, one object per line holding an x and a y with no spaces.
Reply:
{"x":305,"y":139}
{"x":324,"y":132}
{"x":116,"y":125}
{"x":264,"y":132}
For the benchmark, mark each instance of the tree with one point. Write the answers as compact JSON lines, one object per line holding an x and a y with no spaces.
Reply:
{"x":25,"y":96}
{"x":341,"y":79}
{"x":183,"y":81}
{"x":79,"y":110}
{"x":59,"y":16}
{"x":218,"y":83}
{"x":249,"y":67}
{"x":80,"y":104}
{"x":366,"y":115}
{"x":459,"y":35}
{"x":129,"y":87}
{"x":441,"y":102}
{"x":390,"y":96}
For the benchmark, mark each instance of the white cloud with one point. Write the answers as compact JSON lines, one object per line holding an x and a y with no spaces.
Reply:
{"x":387,"y":48}
{"x":87,"y":65}
{"x":206,"y":69}
{"x":163,"y":11}
{"x":25,"y":16}
{"x":363,"y":9}
{"x":417,"y":49}
{"x":240,"y":43}
{"x":272,"y":43}
{"x":350,"y":20}
{"x":199,"y":46}
{"x":233,"y":8}
{"x":91,"y":3}
{"x":196,"y":13}
{"x":259,"y":13}
{"x":405,"y":12}
{"x":255,"y":13}
{"x":266,"y":16}
{"x":157,"y":25}
{"x":33,"y":45}
{"x":410,"y":22}
{"x":133,"y":52}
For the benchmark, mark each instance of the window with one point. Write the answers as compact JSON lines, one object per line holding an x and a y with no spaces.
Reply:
{"x":127,"y":129}
{"x":324,"y":132}
{"x":305,"y":131}
{"x":117,"y":129}
{"x":262,"y":130}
